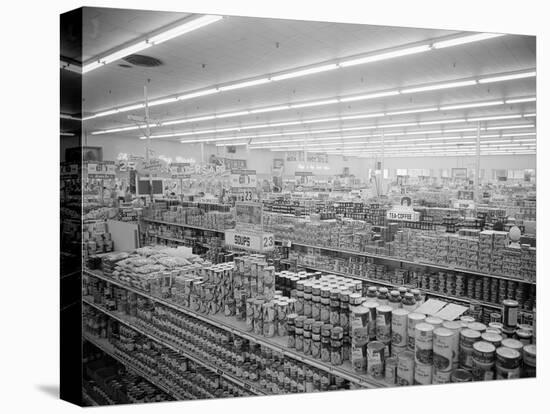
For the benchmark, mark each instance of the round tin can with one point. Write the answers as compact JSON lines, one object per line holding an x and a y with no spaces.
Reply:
{"x":441,"y":377}
{"x":492,"y":338}
{"x":496,"y":325}
{"x":529,"y":361}
{"x":524,"y":336}
{"x":413,"y":319}
{"x":405,"y":368}
{"x":391,"y":371}
{"x":375,"y":359}
{"x":512,"y":344}
{"x":468,"y":337}
{"x":455,"y":327}
{"x":432,"y":320}
{"x":358,"y":358}
{"x":372,"y":307}
{"x":443,"y":353}
{"x":383,"y":323}
{"x":399,"y":327}
{"x":423,"y":344}
{"x":397,"y":350}
{"x":477,"y":326}
{"x":507,"y":363}
{"x":461,"y":375}
{"x":510,"y":313}
{"x":483,"y":361}
{"x":423,"y":374}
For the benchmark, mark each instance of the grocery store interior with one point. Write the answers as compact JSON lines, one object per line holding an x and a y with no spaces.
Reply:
{"x":276,"y":206}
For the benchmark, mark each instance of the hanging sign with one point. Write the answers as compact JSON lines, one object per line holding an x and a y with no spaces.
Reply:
{"x":249,"y":240}
{"x":243,"y":178}
{"x":180,"y":170}
{"x":461,"y":173}
{"x":103,"y":169}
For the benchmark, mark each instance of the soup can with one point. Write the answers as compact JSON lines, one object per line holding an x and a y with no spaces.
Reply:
{"x":375,"y":359}
{"x":399,"y":327}
{"x":492,"y":338}
{"x":423,"y":374}
{"x":529,"y":361}
{"x":512,"y":344}
{"x":435,"y":321}
{"x":391,"y":371}
{"x":510,"y":313}
{"x":383,"y":323}
{"x":405,"y":368}
{"x":461,"y":375}
{"x":483,"y":361}
{"x":443,"y":353}
{"x":372,"y":307}
{"x":507,"y":363}
{"x":441,"y":377}
{"x":423,"y":344}
{"x":413,"y":319}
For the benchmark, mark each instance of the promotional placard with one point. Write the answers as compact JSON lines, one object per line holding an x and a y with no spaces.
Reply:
{"x":403,"y":212}
{"x":243,"y":178}
{"x":103,"y":169}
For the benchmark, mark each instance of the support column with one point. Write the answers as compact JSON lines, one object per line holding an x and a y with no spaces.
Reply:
{"x":476,"y":176}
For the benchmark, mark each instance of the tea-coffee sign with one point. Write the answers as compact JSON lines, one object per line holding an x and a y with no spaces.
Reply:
{"x":403,"y":212}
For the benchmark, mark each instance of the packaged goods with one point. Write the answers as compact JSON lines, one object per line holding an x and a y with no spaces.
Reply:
{"x":423,"y":373}
{"x":483,"y":361}
{"x":375,"y":359}
{"x":413,"y":319}
{"x":399,"y":327}
{"x":508,"y":362}
{"x":423,"y":344}
{"x":405,"y":368}
{"x":529,"y":368}
{"x":443,"y":352}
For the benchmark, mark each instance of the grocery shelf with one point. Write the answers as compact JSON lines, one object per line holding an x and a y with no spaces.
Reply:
{"x":109,"y":349}
{"x":129,"y":321}
{"x":410,"y":262}
{"x":388,"y":284}
{"x":239,"y":328}
{"x":191,"y":226}
{"x":177,"y":240}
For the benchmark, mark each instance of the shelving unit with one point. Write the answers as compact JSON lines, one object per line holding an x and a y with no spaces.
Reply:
{"x":278,"y":344}
{"x":190,"y":226}
{"x":400,"y":262}
{"x":109,"y":349}
{"x":126,"y":320}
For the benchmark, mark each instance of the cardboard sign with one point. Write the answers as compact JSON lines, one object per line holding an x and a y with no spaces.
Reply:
{"x":104,"y":169}
{"x":243,"y":178}
{"x":402,"y":213}
{"x":250,"y":240}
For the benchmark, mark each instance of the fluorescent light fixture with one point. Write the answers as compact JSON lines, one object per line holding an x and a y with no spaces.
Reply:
{"x":446,"y":85}
{"x":316,"y":103}
{"x":232,"y":114}
{"x":413,"y":111}
{"x":105,"y":113}
{"x":369,"y":96}
{"x":385,"y":55}
{"x":493,"y":118}
{"x":197,"y":94}
{"x":236,"y":144}
{"x":187,"y":26}
{"x":303,"y":72}
{"x":132,"y":107}
{"x":270,"y":109}
{"x":244,"y":84}
{"x":465,"y":39}
{"x":471,"y":105}
{"x":522,"y":134}
{"x":137,"y":47}
{"x":161,"y":101}
{"x":520,"y":100}
{"x":66,"y":134}
{"x":349,"y":117}
{"x":531,"y":115}
{"x":501,"y":78}
{"x":510,"y":127}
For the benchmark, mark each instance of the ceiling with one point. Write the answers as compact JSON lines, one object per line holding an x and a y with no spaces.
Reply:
{"x":239,"y":48}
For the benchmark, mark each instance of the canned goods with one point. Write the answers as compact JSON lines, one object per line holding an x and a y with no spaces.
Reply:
{"x":477,"y":326}
{"x":423,"y":343}
{"x":461,"y":375}
{"x":529,"y":361}
{"x":441,"y":377}
{"x":492,"y":338}
{"x":432,"y":320}
{"x":483,"y":361}
{"x":510,"y":313}
{"x":372,"y":307}
{"x":423,"y":373}
{"x":358,"y":358}
{"x":399,"y":327}
{"x":405,"y":368}
{"x":375,"y":359}
{"x":524,"y":336}
{"x":413,"y":319}
{"x":443,"y":353}
{"x":391,"y":371}
{"x":512,"y":344}
{"x":507,"y":363}
{"x":383,"y":323}
{"x":468,"y":337}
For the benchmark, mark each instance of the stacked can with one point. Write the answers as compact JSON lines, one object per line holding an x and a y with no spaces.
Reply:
{"x":336,"y":345}
{"x":375,"y":359}
{"x":316,"y":339}
{"x":291,"y":330}
{"x":325,"y":342}
{"x":359,"y":330}
{"x":508,"y":363}
{"x":483,"y":361}
{"x":269,"y":319}
{"x":443,"y":354}
{"x":308,"y":325}
{"x":423,"y":351}
{"x":413,"y":319}
{"x":459,"y":286}
{"x":299,"y":333}
{"x":529,"y":367}
{"x":466,"y":347}
{"x":405,"y":368}
{"x":383,"y":326}
{"x":324,"y":315}
{"x":455,"y":327}
{"x":399,"y":331}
